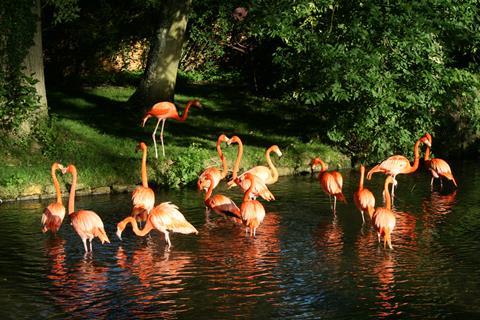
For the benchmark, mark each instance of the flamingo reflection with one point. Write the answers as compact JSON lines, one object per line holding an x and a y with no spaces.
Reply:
{"x":436,"y":208}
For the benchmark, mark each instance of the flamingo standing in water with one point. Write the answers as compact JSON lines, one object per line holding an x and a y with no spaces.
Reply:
{"x":53,"y":215}
{"x":259,"y":189}
{"x":221,"y":204}
{"x":163,"y":111}
{"x":163,"y":217}
{"x":383,"y":218}
{"x":252,"y":211}
{"x":331,"y":182}
{"x":143,"y":197}
{"x":203,"y":183}
{"x":438,"y":167}
{"x":86,"y":223}
{"x":398,"y":164}
{"x":363,"y":197}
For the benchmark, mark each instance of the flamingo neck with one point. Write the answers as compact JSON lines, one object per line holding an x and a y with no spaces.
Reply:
{"x":144,"y":169}
{"x":222,"y":158}
{"x":209,"y":191}
{"x":237,"y":161}
{"x":388,"y":203}
{"x":246,"y":197}
{"x":71,"y":197}
{"x":416,"y":161}
{"x":139,"y":232}
{"x":426,"y":157}
{"x":185,"y":113}
{"x":362,"y":174}
{"x":273,"y":169}
{"x":56,"y":184}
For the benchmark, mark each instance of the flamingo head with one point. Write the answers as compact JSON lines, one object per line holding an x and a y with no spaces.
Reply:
{"x":147,"y":116}
{"x":427,"y":140}
{"x":196,"y":103}
{"x":69,"y":169}
{"x":141,"y":146}
{"x":120,"y":228}
{"x":58,"y":166}
{"x":234,"y":139}
{"x":223,"y":138}
{"x":315,"y":162}
{"x":276,"y":149}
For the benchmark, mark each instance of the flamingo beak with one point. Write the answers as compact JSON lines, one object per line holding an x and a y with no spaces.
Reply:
{"x":119,"y":234}
{"x":145,"y":119}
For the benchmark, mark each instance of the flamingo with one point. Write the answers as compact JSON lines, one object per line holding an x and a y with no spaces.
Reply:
{"x":383,"y":218}
{"x":331,"y":182}
{"x":363,"y":197}
{"x":86,"y":223}
{"x":398,"y":164}
{"x":252,"y":211}
{"x":215,"y":172}
{"x":53,"y":215}
{"x":221,"y":204}
{"x":438,"y":167}
{"x":143,"y":197}
{"x":163,"y":217}
{"x":163,"y":111}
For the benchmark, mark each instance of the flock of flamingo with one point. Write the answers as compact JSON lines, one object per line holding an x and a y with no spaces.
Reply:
{"x":166,"y":217}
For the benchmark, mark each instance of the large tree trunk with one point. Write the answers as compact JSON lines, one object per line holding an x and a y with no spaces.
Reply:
{"x":160,"y":75}
{"x":34,"y":65}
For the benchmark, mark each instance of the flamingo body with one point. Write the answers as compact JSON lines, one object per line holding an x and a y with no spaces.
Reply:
{"x":143,"y":197}
{"x":363,"y":197}
{"x":383,"y":218}
{"x":214,"y":172}
{"x":54,"y":213}
{"x":221,"y":204}
{"x":252,"y":211}
{"x":438,"y":167}
{"x":88,"y":225}
{"x":330,"y":181}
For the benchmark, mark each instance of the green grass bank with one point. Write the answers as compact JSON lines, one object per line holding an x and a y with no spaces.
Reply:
{"x":95,"y":129}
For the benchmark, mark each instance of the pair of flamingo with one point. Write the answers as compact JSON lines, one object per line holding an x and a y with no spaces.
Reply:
{"x":163,"y":217}
{"x":86,"y":223}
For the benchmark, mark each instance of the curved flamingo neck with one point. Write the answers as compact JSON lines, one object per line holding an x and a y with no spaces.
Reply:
{"x":144,"y":168}
{"x":56,"y":184}
{"x":416,"y":161}
{"x":237,"y":161}
{"x":362,"y":174}
{"x":388,"y":203}
{"x":323,"y":169}
{"x":222,"y":158}
{"x":246,"y":197}
{"x":273,"y":169}
{"x":185,"y":112}
{"x":426,"y":157}
{"x":141,"y":233}
{"x":71,"y":197}
{"x":210,"y":189}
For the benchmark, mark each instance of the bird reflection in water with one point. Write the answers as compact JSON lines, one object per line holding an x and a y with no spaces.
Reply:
{"x":387,"y":304}
{"x":79,"y":290}
{"x":436,"y":209}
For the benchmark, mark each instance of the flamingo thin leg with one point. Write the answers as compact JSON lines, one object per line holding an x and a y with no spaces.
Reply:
{"x":161,"y":137}
{"x":153,"y":136}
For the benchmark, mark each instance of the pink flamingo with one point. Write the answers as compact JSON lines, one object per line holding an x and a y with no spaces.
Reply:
{"x":383,"y":218}
{"x":252,"y":211}
{"x":438,"y":167}
{"x":363,"y":197}
{"x":221,"y":204}
{"x":87,"y":224}
{"x":143,"y":197}
{"x":215,"y":172}
{"x":163,"y":111}
{"x":331,"y":182}
{"x":53,"y":215}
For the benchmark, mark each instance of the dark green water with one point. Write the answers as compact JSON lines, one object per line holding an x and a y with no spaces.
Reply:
{"x":303,"y":264}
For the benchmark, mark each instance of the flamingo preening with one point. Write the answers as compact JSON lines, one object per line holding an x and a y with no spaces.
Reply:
{"x":143,"y":197}
{"x":363,"y":197}
{"x":163,"y":111}
{"x":383,"y":218}
{"x":221,"y":204}
{"x":331,"y":182}
{"x":86,"y":223}
{"x":216,"y":174}
{"x":163,"y":217}
{"x":252,"y":211}
{"x":398,"y":164}
{"x":439,"y":168}
{"x":53,"y":215}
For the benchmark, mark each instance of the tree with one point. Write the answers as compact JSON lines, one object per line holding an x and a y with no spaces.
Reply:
{"x":159,"y":79}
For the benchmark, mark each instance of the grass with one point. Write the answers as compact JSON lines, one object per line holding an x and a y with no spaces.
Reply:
{"x":96,"y":130}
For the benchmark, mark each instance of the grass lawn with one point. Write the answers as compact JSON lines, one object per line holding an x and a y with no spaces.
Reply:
{"x":95,"y":130}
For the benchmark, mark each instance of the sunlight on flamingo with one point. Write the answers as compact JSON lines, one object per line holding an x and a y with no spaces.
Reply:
{"x":363,"y":197}
{"x":331,"y":182}
{"x":222,"y":205}
{"x":252,"y":211}
{"x":86,"y":223}
{"x":163,"y":111}
{"x":163,"y":217}
{"x":383,"y":218}
{"x":216,"y":174}
{"x":438,"y":168}
{"x":53,"y":215}
{"x":143,"y":197}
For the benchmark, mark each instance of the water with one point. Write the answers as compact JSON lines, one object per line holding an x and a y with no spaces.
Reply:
{"x":304,"y":263}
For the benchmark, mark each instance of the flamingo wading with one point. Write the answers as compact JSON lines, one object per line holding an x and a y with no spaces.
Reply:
{"x":216,"y":174}
{"x":143,"y":197}
{"x":53,"y":215}
{"x":438,"y":167}
{"x":383,"y":218}
{"x":331,"y":182}
{"x":363,"y":197}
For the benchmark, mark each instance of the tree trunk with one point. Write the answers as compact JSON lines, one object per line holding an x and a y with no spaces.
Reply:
{"x":160,"y":75}
{"x":34,"y":65}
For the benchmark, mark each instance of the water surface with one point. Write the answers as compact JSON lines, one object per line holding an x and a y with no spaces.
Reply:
{"x":304,"y":262}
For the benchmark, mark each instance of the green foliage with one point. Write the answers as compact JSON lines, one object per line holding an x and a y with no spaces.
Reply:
{"x":183,"y":168}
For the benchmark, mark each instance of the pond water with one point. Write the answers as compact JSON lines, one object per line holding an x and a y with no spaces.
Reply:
{"x":304,"y":263}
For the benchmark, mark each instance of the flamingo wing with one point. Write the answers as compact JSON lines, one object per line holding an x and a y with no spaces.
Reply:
{"x":89,"y":225}
{"x":253,"y":213}
{"x":143,"y":198}
{"x":395,"y":165}
{"x":167,"y":216}
{"x":384,"y":220}
{"x":440,"y":166}
{"x":261,"y":172}
{"x":162,"y":109}
{"x":52,"y":217}
{"x":204,"y":183}
{"x":366,"y":199}
{"x":225,"y":206}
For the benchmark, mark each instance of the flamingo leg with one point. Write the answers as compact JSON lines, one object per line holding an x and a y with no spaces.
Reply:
{"x":91,"y":245}
{"x":334,"y":205}
{"x":441,"y":183}
{"x":254,"y":231}
{"x":153,"y":136}
{"x":167,"y":238}
{"x":363,"y":218}
{"x":431,"y":183}
{"x":161,"y":137}
{"x":84,"y":240}
{"x":246,"y":231}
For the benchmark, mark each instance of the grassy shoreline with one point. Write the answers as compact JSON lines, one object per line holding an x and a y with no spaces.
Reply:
{"x":95,"y":130}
